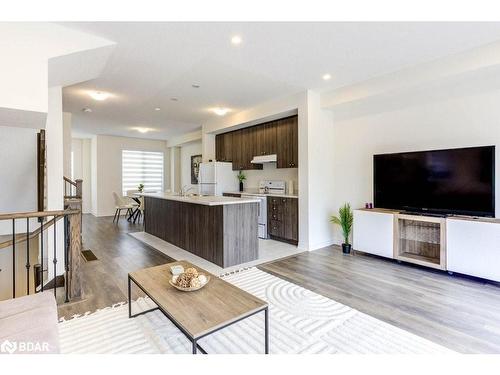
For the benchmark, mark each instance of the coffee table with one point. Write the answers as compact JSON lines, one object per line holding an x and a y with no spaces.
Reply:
{"x":200,"y":313}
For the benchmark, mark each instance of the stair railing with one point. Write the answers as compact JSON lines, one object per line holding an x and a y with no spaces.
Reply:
{"x":72,"y":189}
{"x":71,"y":250}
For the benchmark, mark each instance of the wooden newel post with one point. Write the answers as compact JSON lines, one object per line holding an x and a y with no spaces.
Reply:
{"x":79,"y":188}
{"x":74,"y":253}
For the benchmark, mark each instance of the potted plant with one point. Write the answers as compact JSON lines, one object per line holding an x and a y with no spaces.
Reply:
{"x":345,"y":220}
{"x":241,"y":177}
{"x":140,"y":188}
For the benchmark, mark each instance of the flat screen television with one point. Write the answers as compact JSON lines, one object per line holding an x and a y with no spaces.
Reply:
{"x":457,"y":181}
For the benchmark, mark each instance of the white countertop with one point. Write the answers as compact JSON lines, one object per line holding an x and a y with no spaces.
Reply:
{"x":204,"y":200}
{"x":256,"y":193}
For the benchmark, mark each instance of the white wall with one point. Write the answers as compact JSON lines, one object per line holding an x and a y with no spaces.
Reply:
{"x":458,"y":122}
{"x":270,"y":172}
{"x":188,"y":150}
{"x":18,"y":171}
{"x":107,"y":161}
{"x":27,"y":48}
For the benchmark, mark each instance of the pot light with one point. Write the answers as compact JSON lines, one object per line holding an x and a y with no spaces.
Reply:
{"x":142,"y":130}
{"x":220,"y":111}
{"x":86,"y":110}
{"x":174,"y":99}
{"x":326,"y":77}
{"x":157,"y":109}
{"x":236,"y":39}
{"x":99,"y":95}
{"x":195,"y":86}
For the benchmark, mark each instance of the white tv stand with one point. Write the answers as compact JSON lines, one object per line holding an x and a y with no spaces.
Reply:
{"x":459,"y":244}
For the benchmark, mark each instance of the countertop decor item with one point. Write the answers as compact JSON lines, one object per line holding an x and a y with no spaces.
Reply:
{"x":345,"y":220}
{"x":241,"y":177}
{"x":189,"y":280}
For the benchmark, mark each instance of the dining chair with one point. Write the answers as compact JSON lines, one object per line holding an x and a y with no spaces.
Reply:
{"x":121,"y":204}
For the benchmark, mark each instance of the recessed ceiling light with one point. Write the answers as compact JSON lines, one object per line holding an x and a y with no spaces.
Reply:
{"x":326,"y":76}
{"x":99,"y":95}
{"x":157,"y":109}
{"x":174,"y":99}
{"x":195,"y":86}
{"x":236,"y":39}
{"x":220,"y":111}
{"x":141,"y":129}
{"x":86,"y":110}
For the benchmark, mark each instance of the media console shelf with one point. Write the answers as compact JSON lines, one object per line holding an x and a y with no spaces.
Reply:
{"x":466,"y":245}
{"x":420,"y":240}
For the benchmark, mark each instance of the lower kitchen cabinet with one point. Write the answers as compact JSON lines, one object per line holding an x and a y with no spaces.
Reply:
{"x":283,"y":219}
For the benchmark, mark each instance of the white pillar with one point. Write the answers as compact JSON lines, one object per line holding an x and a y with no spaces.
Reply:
{"x":55,"y":187}
{"x":175,"y":168}
{"x":67,"y":145}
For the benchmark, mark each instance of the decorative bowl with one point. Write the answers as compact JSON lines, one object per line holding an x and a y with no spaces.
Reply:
{"x":171,"y":282}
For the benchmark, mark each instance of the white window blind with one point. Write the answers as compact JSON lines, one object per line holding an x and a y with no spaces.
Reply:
{"x":142,"y":167}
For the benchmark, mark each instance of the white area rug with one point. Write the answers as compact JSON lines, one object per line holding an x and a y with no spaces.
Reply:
{"x":301,"y":321}
{"x":269,"y":250}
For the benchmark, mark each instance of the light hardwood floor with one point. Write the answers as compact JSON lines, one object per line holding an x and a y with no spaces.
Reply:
{"x":460,"y":313}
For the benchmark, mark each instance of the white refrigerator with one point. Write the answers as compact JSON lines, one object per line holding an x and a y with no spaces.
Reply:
{"x":216,"y":177}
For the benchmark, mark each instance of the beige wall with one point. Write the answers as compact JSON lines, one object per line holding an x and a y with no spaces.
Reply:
{"x":107,"y":176}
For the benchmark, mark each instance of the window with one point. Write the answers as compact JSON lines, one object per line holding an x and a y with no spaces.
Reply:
{"x":142,"y":167}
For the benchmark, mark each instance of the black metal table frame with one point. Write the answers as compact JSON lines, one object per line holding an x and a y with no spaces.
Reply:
{"x":194,"y":341}
{"x":134,"y":213}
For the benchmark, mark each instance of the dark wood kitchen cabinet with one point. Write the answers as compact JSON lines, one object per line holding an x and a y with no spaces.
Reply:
{"x":288,"y":143}
{"x":283,"y":219}
{"x":249,"y":147}
{"x":267,"y":141}
{"x":224,"y":147}
{"x":278,"y":137}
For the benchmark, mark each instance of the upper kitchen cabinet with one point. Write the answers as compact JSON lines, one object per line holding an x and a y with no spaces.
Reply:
{"x":267,"y":140}
{"x":238,"y":156}
{"x":278,"y":137}
{"x":224,"y":147}
{"x":249,"y":147}
{"x":288,"y":143}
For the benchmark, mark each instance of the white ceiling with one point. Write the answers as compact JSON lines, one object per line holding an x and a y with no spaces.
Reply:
{"x":153,"y":62}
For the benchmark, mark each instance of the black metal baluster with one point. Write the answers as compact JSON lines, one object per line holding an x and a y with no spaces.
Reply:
{"x":55,"y":255}
{"x":28,"y":265}
{"x":41,"y":255}
{"x":13,"y":258}
{"x":66,"y":260}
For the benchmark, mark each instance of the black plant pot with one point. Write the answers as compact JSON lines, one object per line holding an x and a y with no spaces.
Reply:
{"x":346,"y":248}
{"x":241,"y":185}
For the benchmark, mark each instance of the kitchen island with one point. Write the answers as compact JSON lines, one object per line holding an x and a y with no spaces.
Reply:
{"x":222,"y":230}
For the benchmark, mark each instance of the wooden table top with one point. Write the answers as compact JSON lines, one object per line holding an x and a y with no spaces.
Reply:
{"x":200,"y":312}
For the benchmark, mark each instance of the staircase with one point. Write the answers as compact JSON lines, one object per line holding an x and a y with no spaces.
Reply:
{"x":43,"y":249}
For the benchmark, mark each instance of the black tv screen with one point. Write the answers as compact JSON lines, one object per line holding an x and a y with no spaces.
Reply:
{"x":455,"y":181}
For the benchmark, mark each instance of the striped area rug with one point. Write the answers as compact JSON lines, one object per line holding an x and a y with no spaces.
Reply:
{"x":301,"y":321}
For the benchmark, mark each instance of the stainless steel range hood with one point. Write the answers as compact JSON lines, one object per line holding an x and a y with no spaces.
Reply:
{"x":264,"y":159}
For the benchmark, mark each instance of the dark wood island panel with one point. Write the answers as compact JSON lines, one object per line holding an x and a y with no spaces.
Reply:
{"x":225,"y":234}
